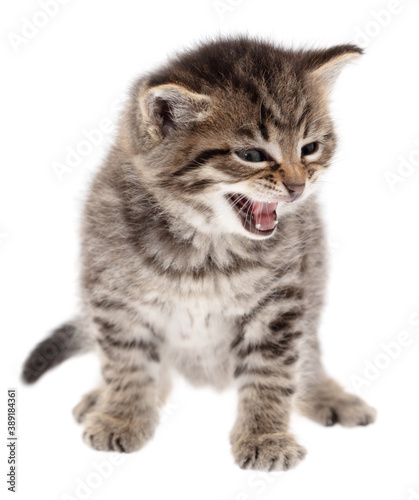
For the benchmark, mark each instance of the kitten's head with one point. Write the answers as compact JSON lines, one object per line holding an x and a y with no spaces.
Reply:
{"x":233,"y":134}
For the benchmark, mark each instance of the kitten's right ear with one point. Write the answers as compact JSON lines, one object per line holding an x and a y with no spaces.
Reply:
{"x":169,"y":107}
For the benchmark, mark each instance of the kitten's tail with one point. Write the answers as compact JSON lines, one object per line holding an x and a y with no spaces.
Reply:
{"x":64,"y":342}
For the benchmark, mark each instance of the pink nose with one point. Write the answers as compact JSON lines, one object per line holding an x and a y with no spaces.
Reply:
{"x":294,"y":190}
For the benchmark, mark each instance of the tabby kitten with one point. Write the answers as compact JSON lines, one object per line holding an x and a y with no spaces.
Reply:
{"x":203,"y":250}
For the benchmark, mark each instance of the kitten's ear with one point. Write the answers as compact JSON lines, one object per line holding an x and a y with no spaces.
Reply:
{"x":326,"y":65}
{"x":169,"y":107}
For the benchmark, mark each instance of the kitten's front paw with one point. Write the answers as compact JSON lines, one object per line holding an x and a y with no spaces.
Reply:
{"x":267,"y":452}
{"x":107,"y":433}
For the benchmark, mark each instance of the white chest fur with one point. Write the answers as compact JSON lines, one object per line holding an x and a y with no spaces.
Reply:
{"x":197,"y":335}
{"x":194,"y":323}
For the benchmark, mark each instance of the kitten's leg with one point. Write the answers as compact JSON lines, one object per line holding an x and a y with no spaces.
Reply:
{"x":319,"y":397}
{"x":165,"y":385}
{"x":89,"y":400}
{"x":322,"y":399}
{"x":122,"y":415}
{"x":327,"y":403}
{"x":266,"y":370}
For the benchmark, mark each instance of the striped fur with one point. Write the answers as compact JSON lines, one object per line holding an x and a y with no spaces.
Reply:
{"x":172,"y":278}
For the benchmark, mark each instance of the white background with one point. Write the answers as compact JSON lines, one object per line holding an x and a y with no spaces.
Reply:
{"x":66,"y":79}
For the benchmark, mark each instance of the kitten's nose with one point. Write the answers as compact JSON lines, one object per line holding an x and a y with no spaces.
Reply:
{"x":294,"y":190}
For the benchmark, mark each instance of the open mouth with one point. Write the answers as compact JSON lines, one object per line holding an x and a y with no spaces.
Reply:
{"x":258,"y":217}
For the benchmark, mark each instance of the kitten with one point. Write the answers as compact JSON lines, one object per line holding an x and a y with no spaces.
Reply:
{"x":203,"y":250}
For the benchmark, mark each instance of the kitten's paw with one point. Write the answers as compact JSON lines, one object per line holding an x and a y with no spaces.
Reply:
{"x":86,"y":405}
{"x":348,"y":411}
{"x":107,"y":433}
{"x":329,"y":404}
{"x":267,"y":452}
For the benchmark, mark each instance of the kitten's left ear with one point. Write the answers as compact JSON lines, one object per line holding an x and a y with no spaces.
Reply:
{"x":169,"y":107}
{"x":326,"y":65}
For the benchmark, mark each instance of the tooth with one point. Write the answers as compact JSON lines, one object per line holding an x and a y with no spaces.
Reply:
{"x":276,"y":222}
{"x":258,"y":226}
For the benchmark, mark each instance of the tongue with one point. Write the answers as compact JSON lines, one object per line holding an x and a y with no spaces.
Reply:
{"x":264,"y":216}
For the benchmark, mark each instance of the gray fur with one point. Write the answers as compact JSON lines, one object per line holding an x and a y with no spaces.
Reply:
{"x":171,"y":280}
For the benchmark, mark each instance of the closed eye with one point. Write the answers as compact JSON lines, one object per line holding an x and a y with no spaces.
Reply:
{"x":252,"y":155}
